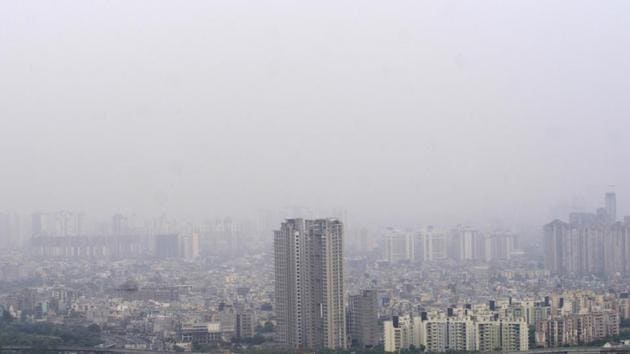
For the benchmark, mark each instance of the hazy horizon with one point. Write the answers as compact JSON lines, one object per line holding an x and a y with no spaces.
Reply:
{"x":415,"y":113}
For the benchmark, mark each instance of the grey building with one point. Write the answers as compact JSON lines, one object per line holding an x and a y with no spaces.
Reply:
{"x":611,"y":207}
{"x":167,"y":246}
{"x":245,"y":324}
{"x":309,"y":291}
{"x":587,"y":249}
{"x":363,"y":327}
{"x":589,"y":243}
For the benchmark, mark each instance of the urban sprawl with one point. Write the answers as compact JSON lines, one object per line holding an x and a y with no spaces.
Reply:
{"x":289,"y":281}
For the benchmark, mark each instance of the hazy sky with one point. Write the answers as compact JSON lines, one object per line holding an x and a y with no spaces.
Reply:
{"x":399,"y":111}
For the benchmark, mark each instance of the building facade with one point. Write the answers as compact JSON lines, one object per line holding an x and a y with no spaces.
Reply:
{"x":309,"y":291}
{"x":362,"y":320}
{"x":590,"y":243}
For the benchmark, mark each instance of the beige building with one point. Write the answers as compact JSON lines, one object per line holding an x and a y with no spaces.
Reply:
{"x":461,"y":335}
{"x":487,"y":336}
{"x":400,"y":333}
{"x":455,"y":334}
{"x":514,"y":336}
{"x":399,"y":245}
{"x":576,"y":329}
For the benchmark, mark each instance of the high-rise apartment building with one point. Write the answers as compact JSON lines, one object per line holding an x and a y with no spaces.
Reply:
{"x":461,"y":335}
{"x":469,"y":244}
{"x":400,"y":333}
{"x":362,"y":319}
{"x":10,"y":230}
{"x":309,"y":291}
{"x":576,"y":329}
{"x":245,"y":324}
{"x":466,"y":244}
{"x":120,"y":225}
{"x":611,"y":207}
{"x":514,"y":336}
{"x":624,"y":306}
{"x":460,"y":330}
{"x":587,"y":249}
{"x":189,"y":246}
{"x":399,"y":245}
{"x":487,"y":336}
{"x":435,"y":335}
{"x":431,"y":245}
{"x":37,"y":224}
{"x":167,"y":246}
{"x":592,"y":244}
{"x":58,"y":224}
{"x":501,"y":245}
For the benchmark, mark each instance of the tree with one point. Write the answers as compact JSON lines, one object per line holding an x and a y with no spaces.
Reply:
{"x":179,"y":349}
{"x":267,"y":328}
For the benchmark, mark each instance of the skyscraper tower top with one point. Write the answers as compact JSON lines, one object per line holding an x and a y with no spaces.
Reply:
{"x":611,"y":207}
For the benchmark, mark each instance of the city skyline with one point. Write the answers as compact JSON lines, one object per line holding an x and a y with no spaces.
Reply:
{"x":437,"y":289}
{"x":314,"y":177}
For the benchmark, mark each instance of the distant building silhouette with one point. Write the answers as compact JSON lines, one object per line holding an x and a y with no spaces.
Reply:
{"x":167,"y":246}
{"x":611,"y":207}
{"x":589,"y":243}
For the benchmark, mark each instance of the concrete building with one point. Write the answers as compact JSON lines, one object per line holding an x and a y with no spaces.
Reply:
{"x":435,"y":335}
{"x":399,"y":333}
{"x":362,"y":321}
{"x":120,"y":225}
{"x":587,"y":249}
{"x":624,"y":306}
{"x":461,"y":335}
{"x":167,"y":246}
{"x":514,"y":336}
{"x":589,"y":244}
{"x":487,"y":336}
{"x":227,"y":318}
{"x":466,"y":242}
{"x":201,"y":333}
{"x":399,"y":245}
{"x":501,"y":246}
{"x":611,"y":207}
{"x":309,"y":291}
{"x":245,"y":324}
{"x":189,"y":246}
{"x":576,"y":329}
{"x":431,"y":245}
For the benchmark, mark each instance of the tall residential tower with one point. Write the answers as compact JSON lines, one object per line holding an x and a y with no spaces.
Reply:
{"x":309,"y":291}
{"x":611,"y":207}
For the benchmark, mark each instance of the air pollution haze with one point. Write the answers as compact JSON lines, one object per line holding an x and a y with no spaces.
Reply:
{"x":412,"y":113}
{"x":325,"y":177}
